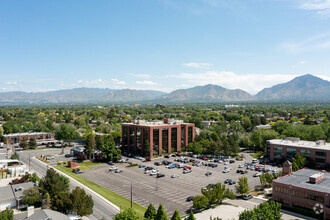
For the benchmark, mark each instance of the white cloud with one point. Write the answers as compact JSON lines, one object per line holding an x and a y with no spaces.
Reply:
{"x":146,"y":76}
{"x":321,"y":7}
{"x":317,"y":42}
{"x":11,"y":83}
{"x":146,"y":82}
{"x":118,"y":82}
{"x":251,"y":83}
{"x":198,"y":65}
{"x":93,"y":83}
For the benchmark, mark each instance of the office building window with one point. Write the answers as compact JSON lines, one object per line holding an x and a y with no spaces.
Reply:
{"x":278,"y":148}
{"x":320,"y":154}
{"x":305,"y":152}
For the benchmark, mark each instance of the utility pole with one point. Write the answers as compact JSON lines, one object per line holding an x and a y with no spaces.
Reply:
{"x":131,"y":195}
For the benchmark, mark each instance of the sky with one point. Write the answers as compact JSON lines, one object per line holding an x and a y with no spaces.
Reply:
{"x":163,"y":45}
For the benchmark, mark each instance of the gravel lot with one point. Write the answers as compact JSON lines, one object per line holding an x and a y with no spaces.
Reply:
{"x":171,"y":192}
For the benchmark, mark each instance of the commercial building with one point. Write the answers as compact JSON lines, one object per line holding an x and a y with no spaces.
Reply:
{"x":157,"y":137}
{"x":286,"y":148}
{"x":305,"y":188}
{"x":15,"y":138}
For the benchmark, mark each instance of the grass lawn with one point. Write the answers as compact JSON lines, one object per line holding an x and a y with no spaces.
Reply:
{"x":87,"y":165}
{"x":116,"y":199}
{"x":257,"y":155}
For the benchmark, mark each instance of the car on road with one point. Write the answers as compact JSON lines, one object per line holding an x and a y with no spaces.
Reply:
{"x":159,"y":175}
{"x":142,"y":166}
{"x":208,"y":173}
{"x":247,"y":197}
{"x":174,"y":176}
{"x":189,"y":198}
{"x":113,"y":168}
{"x":69,"y":155}
{"x":118,"y":171}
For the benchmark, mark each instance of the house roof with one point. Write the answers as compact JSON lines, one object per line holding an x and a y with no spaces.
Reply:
{"x":44,"y":214}
{"x":18,"y":189}
{"x":6,"y":194}
{"x":301,"y":179}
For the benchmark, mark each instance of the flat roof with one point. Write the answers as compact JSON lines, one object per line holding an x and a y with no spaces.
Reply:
{"x":301,"y":179}
{"x":156,"y":124}
{"x":301,"y":144}
{"x":26,"y":133}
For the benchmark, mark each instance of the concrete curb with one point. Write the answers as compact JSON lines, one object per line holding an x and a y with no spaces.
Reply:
{"x":87,"y":188}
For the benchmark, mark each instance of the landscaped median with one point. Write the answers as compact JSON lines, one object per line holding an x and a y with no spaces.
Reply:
{"x":116,"y":199}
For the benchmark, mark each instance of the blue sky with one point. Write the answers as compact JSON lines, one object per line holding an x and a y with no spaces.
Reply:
{"x":161,"y":44}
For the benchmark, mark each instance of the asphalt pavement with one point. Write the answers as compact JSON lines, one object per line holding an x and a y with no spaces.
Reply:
{"x":101,"y":208}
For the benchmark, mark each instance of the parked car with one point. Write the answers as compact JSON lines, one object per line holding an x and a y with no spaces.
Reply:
{"x":118,"y":171}
{"x":208,"y":173}
{"x":189,"y":198}
{"x":171,"y":167}
{"x":157,"y":163}
{"x":113,"y":168}
{"x":142,"y":166}
{"x":77,"y":171}
{"x":69,"y":155}
{"x":49,"y":158}
{"x":231,"y":182}
{"x":159,"y":175}
{"x":187,"y":171}
{"x":110,"y":162}
{"x":247,"y":197}
{"x":227,"y":181}
{"x":256,"y":174}
{"x":232,"y":161}
{"x":174,"y":176}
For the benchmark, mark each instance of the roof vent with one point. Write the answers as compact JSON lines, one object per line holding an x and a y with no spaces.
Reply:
{"x":316,"y":178}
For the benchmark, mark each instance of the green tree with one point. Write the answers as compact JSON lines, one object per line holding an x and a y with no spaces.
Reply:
{"x":66,"y":133}
{"x":82,"y":204}
{"x":242,"y":186}
{"x":1,"y":131}
{"x":15,"y":155}
{"x":90,"y":145}
{"x":32,"y":143}
{"x":176,"y":215}
{"x":46,"y":203}
{"x":99,"y":142}
{"x":267,"y":210}
{"x":7,"y":214}
{"x":161,"y":214}
{"x":23,"y":143}
{"x":200,"y":201}
{"x":57,"y":186}
{"x":191,"y":216}
{"x":110,"y":152}
{"x":116,"y":135}
{"x":31,"y":196}
{"x":126,"y":214}
{"x":217,"y":193}
{"x":151,"y":212}
{"x":298,"y":162}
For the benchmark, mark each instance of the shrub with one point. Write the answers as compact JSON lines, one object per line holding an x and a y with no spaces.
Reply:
{"x":59,"y":162}
{"x":64,"y":162}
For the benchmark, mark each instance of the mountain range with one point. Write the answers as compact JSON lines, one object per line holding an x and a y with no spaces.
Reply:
{"x":306,"y":87}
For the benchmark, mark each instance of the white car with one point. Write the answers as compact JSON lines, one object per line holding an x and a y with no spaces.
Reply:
{"x":187,"y":171}
{"x":225,"y":171}
{"x":256,"y":174}
{"x":226,"y":163}
{"x":255,"y":160}
{"x":174,"y":176}
{"x":147,"y":171}
{"x":241,"y":166}
{"x":49,"y":158}
{"x":113,"y":168}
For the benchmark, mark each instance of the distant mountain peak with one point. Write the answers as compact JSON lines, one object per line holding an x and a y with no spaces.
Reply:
{"x":300,"y":88}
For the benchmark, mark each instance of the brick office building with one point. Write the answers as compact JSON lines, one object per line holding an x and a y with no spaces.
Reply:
{"x":286,"y":148}
{"x":15,"y":138}
{"x":162,"y":136}
{"x":305,"y":188}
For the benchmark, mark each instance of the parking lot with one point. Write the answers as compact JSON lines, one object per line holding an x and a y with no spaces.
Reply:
{"x":171,"y":192}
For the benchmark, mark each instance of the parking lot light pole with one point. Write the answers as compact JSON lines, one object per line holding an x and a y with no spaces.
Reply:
{"x":29,"y":163}
{"x":156,"y":183}
{"x":131,"y":195}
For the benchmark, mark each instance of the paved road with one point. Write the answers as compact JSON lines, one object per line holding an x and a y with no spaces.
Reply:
{"x":101,"y":209}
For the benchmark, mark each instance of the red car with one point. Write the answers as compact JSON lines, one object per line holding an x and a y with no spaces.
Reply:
{"x":187,"y":168}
